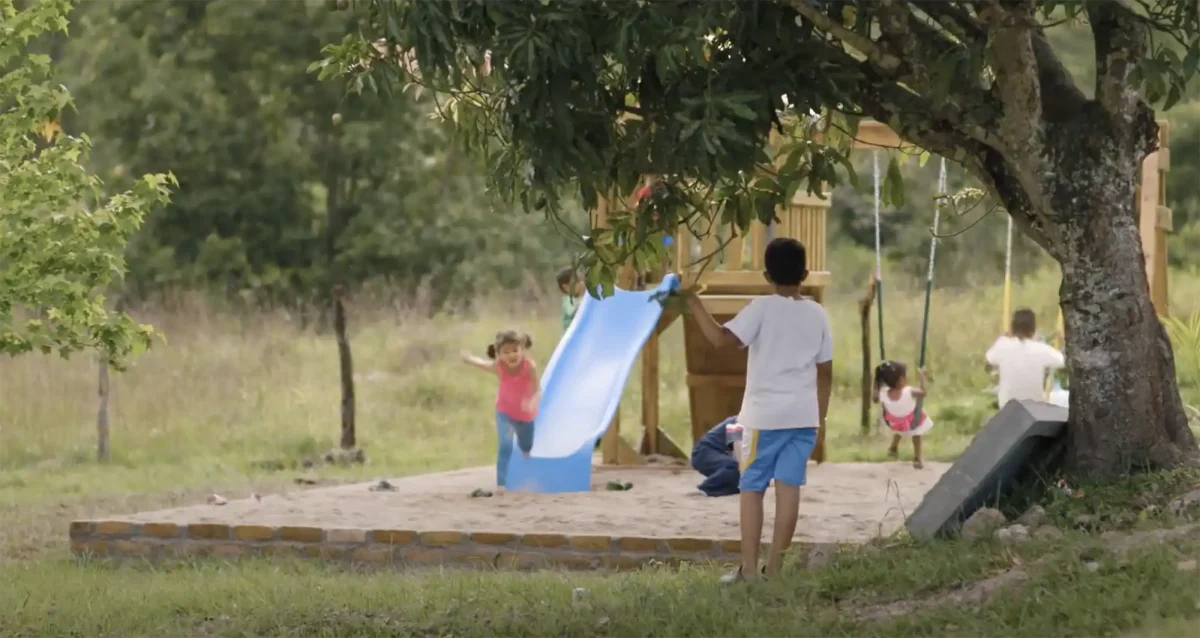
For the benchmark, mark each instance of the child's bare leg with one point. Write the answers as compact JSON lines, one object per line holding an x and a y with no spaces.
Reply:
{"x":917,"y":452}
{"x":787,"y":511}
{"x":751,"y":504}
{"x":894,"y":448}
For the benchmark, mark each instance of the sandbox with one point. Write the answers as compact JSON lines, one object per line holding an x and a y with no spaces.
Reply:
{"x":430,"y":520}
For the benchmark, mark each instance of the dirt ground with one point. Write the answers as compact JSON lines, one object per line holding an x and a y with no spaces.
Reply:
{"x":847,"y":502}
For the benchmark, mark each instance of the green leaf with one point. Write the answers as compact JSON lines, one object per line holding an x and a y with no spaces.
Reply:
{"x":663,"y":65}
{"x":851,"y":174}
{"x":1173,"y":96}
{"x":1191,"y":61}
{"x":741,"y":110}
{"x":893,"y":184}
{"x":924,"y":158}
{"x":945,"y":72}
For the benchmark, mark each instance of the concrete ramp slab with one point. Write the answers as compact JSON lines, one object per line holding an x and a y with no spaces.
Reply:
{"x":1023,"y":441}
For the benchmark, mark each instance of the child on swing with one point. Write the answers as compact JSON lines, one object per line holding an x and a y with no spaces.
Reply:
{"x":899,"y":402}
{"x":1022,"y":361}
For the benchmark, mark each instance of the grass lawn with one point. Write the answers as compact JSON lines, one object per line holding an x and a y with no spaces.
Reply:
{"x":227,"y":393}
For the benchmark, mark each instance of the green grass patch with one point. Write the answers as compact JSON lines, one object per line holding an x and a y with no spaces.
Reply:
{"x":1061,"y":597}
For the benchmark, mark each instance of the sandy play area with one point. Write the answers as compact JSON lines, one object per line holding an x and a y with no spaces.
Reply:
{"x":844,"y":502}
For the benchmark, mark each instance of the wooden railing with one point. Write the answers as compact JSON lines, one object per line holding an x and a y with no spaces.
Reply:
{"x":736,"y":263}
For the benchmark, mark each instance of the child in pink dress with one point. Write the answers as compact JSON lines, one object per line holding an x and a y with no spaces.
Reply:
{"x":516,"y":398}
{"x":899,"y":401}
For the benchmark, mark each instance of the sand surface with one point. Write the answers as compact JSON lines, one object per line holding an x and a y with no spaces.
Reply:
{"x":842,"y":502}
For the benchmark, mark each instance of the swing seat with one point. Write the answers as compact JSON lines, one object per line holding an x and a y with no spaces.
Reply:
{"x":901,"y":423}
{"x":1059,"y":396}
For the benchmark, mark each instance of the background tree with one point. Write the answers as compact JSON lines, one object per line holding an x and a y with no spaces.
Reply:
{"x":61,"y":240}
{"x":585,"y":98}
{"x":286,"y":186}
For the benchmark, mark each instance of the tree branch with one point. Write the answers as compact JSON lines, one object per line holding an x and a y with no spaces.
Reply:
{"x":1120,"y":39}
{"x":916,"y":119}
{"x":923,"y":46}
{"x":1061,"y":97}
{"x":926,"y":52}
{"x":909,"y":107}
{"x":876,"y":54}
{"x":913,"y":117}
{"x":906,"y":31}
{"x":993,"y":170}
{"x":956,"y":20}
{"x":1010,"y":49}
{"x":983,"y":161}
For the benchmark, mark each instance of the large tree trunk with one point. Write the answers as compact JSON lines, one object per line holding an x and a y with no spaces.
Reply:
{"x":1065,"y":166}
{"x":1126,"y":412}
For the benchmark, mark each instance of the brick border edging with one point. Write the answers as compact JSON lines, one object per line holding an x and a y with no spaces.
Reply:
{"x":495,"y":550}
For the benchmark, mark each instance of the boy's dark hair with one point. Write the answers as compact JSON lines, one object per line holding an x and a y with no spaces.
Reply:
{"x":1024,"y":324}
{"x":786,"y":262}
{"x":505,"y":337}
{"x":566,"y":276}
{"x":889,"y":373}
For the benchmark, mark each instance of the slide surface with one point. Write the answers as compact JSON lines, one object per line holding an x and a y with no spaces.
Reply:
{"x":581,"y":388}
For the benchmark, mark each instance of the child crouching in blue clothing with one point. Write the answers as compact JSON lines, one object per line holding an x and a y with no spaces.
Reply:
{"x":716,"y":456}
{"x":789,"y":374}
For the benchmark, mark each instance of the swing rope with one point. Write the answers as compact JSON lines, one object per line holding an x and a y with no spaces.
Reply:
{"x":878,"y":261}
{"x":1006,"y":307}
{"x":918,"y":416}
{"x":1058,"y":345}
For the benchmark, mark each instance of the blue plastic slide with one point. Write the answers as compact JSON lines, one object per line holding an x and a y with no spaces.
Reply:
{"x":581,"y":388}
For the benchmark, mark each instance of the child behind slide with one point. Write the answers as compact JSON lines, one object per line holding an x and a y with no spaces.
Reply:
{"x":899,"y":402}
{"x":571,"y":287}
{"x":716,"y":456}
{"x":1022,"y":361}
{"x":788,"y":378}
{"x":516,"y":397}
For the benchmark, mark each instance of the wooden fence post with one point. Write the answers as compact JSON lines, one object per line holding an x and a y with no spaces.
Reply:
{"x":868,"y":381}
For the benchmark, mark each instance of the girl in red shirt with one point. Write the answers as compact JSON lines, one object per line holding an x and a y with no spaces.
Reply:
{"x":516,"y":397}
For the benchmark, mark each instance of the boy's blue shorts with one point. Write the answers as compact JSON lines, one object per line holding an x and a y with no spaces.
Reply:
{"x":775,"y":454}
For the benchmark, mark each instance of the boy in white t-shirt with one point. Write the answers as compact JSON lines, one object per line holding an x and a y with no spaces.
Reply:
{"x":788,"y":379}
{"x":1022,"y":361}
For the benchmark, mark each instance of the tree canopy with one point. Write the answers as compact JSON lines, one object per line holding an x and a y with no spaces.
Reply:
{"x":592,"y":99}
{"x":62,"y":241}
{"x":582,"y":98}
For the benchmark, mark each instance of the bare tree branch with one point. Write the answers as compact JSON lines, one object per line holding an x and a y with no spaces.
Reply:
{"x":921,"y":45}
{"x":912,"y":79}
{"x":876,"y":54}
{"x":956,"y":20}
{"x":912,"y":116}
